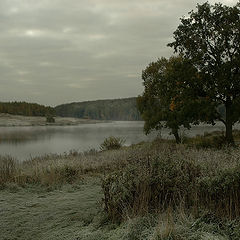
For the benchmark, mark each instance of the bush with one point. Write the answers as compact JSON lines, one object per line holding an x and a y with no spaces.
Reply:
{"x":50,"y":119}
{"x":156,"y":183}
{"x":149,"y":185}
{"x":111,"y":143}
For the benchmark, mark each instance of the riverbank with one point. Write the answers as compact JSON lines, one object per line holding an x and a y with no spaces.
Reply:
{"x":153,"y":191}
{"x":8,"y":120}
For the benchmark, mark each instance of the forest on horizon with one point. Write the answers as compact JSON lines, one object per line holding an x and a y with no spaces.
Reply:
{"x":124,"y":109}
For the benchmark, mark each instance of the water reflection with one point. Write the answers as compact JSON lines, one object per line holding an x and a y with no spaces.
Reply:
{"x":25,"y":142}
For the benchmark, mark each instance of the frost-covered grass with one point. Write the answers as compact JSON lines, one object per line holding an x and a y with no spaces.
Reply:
{"x":37,"y":213}
{"x":75,"y":212}
{"x":60,"y":169}
{"x":64,"y":196}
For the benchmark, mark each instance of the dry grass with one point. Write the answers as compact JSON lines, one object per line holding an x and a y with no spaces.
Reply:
{"x":161,"y":190}
{"x":175,"y":176}
{"x":143,"y":178}
{"x":8,"y":169}
{"x":60,"y":169}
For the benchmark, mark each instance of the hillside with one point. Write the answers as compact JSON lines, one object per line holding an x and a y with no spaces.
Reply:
{"x":115,"y":109}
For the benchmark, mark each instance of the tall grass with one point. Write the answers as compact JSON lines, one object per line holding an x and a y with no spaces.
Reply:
{"x":162,"y":190}
{"x":170,"y":176}
{"x":57,"y":169}
{"x":8,"y":169}
{"x":143,"y":178}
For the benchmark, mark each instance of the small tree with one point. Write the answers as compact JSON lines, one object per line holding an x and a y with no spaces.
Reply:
{"x":168,"y":99}
{"x":50,"y":119}
{"x":210,"y":39}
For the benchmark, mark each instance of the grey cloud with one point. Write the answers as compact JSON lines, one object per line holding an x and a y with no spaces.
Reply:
{"x":58,"y":51}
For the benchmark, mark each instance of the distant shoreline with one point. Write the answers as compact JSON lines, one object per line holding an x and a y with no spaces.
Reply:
{"x":8,"y":120}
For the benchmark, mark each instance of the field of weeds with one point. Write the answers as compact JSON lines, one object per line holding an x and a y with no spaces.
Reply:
{"x":156,"y":190}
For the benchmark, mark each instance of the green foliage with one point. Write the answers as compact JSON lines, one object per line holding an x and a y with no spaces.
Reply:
{"x":167,"y":98}
{"x":203,"y":83}
{"x":112,"y":143}
{"x":26,"y":109}
{"x":209,"y":39}
{"x":116,"y":109}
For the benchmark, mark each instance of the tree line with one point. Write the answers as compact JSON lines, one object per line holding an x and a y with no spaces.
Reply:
{"x":115,"y":109}
{"x":201,"y":82}
{"x":26,"y":109}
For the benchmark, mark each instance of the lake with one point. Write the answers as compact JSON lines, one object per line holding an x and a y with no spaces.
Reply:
{"x":25,"y":142}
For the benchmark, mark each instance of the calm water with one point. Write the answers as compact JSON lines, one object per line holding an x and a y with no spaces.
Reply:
{"x":25,"y":142}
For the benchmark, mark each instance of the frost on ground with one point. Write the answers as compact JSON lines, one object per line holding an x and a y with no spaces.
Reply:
{"x":36,"y":213}
{"x":7,"y":120}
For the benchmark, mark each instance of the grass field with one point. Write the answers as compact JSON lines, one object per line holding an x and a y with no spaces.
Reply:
{"x":150,"y":191}
{"x":37,"y":213}
{"x":75,"y":212}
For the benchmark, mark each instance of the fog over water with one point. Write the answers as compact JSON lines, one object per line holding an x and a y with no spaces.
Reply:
{"x":25,"y":142}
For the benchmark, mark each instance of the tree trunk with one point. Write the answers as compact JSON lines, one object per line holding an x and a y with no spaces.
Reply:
{"x":229,"y":123}
{"x":176,"y":135}
{"x":229,"y":135}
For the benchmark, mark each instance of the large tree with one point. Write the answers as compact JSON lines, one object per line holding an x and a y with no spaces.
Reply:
{"x":210,"y":39}
{"x":169,"y":99}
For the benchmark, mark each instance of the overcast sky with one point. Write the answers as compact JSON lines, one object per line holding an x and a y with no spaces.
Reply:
{"x":60,"y":51}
